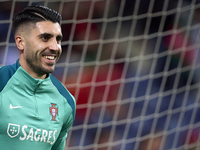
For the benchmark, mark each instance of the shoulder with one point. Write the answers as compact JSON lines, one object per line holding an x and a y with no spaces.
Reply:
{"x":6,"y":72}
{"x":65,"y":93}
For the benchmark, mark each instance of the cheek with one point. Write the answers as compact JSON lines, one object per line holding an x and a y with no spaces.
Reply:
{"x":30,"y":45}
{"x":32,"y":50}
{"x":60,"y":50}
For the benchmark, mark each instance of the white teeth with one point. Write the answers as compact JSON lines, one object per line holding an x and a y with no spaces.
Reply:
{"x":49,"y":57}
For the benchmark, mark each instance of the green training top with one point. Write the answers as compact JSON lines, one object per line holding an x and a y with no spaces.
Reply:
{"x":35,"y":114}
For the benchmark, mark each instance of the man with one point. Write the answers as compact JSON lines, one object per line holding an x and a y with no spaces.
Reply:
{"x":36,"y":110}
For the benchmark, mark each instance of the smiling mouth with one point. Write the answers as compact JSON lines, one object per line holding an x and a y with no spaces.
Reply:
{"x":50,"y":57}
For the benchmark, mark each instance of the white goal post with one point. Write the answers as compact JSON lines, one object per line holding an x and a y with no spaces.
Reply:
{"x":133,"y":67}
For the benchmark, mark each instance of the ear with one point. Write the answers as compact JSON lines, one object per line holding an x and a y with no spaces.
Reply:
{"x":20,"y":42}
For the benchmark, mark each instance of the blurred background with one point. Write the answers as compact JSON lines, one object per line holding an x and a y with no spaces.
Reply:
{"x":133,"y":67}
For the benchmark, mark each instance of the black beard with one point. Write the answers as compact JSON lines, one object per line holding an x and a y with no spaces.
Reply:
{"x":37,"y":67}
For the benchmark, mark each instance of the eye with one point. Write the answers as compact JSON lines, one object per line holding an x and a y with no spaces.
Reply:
{"x":59,"y":39}
{"x":45,"y":38}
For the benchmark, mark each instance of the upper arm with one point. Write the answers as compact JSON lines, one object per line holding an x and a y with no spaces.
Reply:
{"x":70,"y":101}
{"x":6,"y":72}
{"x":61,"y":140}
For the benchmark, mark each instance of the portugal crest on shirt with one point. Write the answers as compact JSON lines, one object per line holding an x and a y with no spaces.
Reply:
{"x":53,"y":111}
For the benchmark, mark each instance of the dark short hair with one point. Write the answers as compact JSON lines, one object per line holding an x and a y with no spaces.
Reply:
{"x":34,"y":14}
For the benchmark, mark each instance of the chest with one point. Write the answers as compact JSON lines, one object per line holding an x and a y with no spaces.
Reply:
{"x":30,"y":117}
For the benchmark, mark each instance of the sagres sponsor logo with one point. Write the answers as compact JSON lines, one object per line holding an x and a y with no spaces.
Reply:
{"x":32,"y":134}
{"x":13,"y":130}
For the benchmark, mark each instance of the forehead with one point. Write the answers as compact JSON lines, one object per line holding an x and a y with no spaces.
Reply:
{"x":47,"y":27}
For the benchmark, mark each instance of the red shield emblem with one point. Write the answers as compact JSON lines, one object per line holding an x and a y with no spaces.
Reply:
{"x":53,"y":111}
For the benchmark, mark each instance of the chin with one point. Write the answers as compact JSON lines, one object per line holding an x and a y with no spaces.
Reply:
{"x":48,"y":70}
{"x":51,"y":70}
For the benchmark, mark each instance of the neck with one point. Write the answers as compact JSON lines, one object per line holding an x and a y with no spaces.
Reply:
{"x":31,"y":71}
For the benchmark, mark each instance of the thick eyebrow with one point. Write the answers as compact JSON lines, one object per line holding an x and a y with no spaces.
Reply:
{"x":45,"y":34}
{"x":59,"y":37}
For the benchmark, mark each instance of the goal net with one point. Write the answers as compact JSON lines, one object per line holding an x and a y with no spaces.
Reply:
{"x":133,"y":67}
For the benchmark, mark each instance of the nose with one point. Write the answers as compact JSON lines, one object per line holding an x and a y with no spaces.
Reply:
{"x":54,"y":45}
